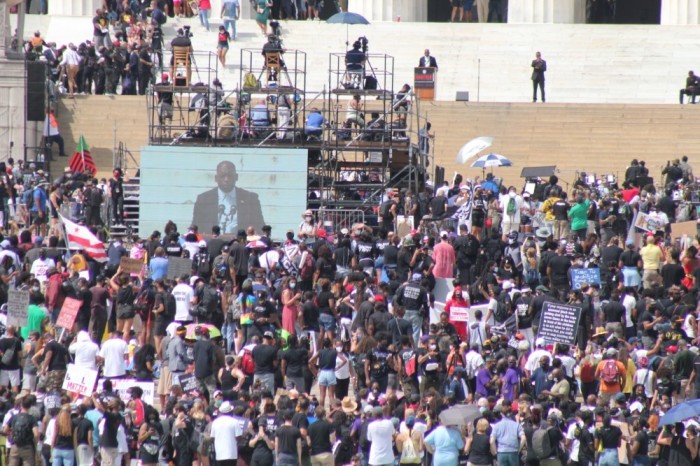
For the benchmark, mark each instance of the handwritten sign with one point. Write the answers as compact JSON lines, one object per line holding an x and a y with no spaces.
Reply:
{"x":559,"y":322}
{"x":581,"y":276}
{"x":79,"y":380}
{"x":459,"y":314}
{"x":647,"y":223}
{"x":680,"y":229}
{"x":130,"y":265}
{"x":122,"y":386}
{"x":69,"y":311}
{"x":188,"y":382}
{"x":178,"y":266}
{"x":17,"y":308}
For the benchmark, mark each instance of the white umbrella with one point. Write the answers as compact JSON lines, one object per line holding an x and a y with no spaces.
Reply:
{"x":473,"y":147}
{"x":492,"y":160}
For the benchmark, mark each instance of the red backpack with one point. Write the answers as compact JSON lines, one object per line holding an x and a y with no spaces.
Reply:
{"x":610,"y":373}
{"x":247,"y":362}
{"x":587,"y":372}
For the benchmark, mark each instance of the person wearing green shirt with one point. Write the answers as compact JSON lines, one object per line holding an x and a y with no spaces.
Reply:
{"x":37,"y":316}
{"x":578,"y":217}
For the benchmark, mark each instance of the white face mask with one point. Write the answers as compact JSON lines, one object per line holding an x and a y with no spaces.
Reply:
{"x":511,"y":194}
{"x":339,"y":348}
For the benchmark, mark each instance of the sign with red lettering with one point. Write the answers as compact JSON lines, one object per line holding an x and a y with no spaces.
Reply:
{"x":69,"y":311}
{"x":79,"y":380}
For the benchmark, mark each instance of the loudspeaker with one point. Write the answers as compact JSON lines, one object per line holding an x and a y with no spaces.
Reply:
{"x":36,"y":87}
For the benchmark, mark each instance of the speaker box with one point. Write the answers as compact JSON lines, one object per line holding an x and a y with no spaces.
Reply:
{"x":36,"y":88}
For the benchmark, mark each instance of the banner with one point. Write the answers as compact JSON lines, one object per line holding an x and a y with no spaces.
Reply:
{"x":581,"y":276}
{"x":122,"y":386}
{"x":79,"y":380}
{"x":559,"y":323}
{"x":17,"y":308}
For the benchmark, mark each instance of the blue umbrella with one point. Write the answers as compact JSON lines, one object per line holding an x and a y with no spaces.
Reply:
{"x":492,"y":160}
{"x":681,"y":412}
{"x":345,"y":17}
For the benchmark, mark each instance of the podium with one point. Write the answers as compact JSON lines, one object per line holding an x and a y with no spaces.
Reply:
{"x":425,"y":82}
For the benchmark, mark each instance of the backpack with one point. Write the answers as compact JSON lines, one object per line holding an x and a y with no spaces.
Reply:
{"x":307,"y":266}
{"x":532,"y":276}
{"x":408,"y":452}
{"x":170,"y":306}
{"x":587,"y":372}
{"x":159,"y":17}
{"x":208,"y":304}
{"x":22,"y":432}
{"x":8,"y":355}
{"x":501,"y":313}
{"x":409,"y":363}
{"x":96,"y":197}
{"x":541,"y":443}
{"x":247,"y":362}
{"x":379,"y":365}
{"x":511,"y":208}
{"x":249,"y":81}
{"x":610,"y":373}
{"x":203,"y":265}
{"x":221,"y":267}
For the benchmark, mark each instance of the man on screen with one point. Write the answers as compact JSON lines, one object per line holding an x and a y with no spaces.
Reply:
{"x":227,"y":206}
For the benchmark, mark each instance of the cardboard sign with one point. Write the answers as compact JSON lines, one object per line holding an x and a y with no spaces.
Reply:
{"x":178,"y":266}
{"x":645,"y":222}
{"x":559,"y":323}
{"x":69,"y":311}
{"x":188,"y":382}
{"x":459,"y":314}
{"x":79,"y":380}
{"x":689,"y":229}
{"x":130,"y":265}
{"x":17,"y":308}
{"x":122,"y":386}
{"x":581,"y":276}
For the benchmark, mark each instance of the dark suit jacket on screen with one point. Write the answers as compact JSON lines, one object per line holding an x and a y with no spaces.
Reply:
{"x":433,"y":62}
{"x":205,"y":213}
{"x":538,"y":74}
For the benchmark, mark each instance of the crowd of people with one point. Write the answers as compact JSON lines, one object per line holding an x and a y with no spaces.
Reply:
{"x":338,"y":347}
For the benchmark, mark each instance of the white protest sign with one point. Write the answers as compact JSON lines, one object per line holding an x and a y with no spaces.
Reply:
{"x":122,"y":386}
{"x":459,"y":314}
{"x":17,"y":308}
{"x":79,"y":380}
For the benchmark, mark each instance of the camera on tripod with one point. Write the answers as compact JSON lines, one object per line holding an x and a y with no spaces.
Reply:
{"x":363,"y":41}
{"x":188,"y":33}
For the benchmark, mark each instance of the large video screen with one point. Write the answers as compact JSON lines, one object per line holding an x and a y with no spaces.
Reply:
{"x":230,"y":187}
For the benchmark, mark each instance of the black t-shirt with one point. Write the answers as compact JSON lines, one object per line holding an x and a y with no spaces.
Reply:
{"x":173,"y":250}
{"x":391,"y":255}
{"x":295,"y":358}
{"x":288,"y":436}
{"x":323,"y":301}
{"x":399,"y":327}
{"x":108,"y":438}
{"x":560,"y":209}
{"x":365,"y":253}
{"x":437,"y":204}
{"x":614,"y":312}
{"x":264,"y":357}
{"x":672,"y":274}
{"x":59,"y":356}
{"x":6,"y":344}
{"x":320,"y":435}
{"x":651,"y":333}
{"x":610,"y":256}
{"x":311,"y":313}
{"x":84,"y":429}
{"x":325,"y":268}
{"x":204,"y":358}
{"x":326,"y":359}
{"x":630,"y":258}
{"x":643,"y":438}
{"x":609,"y":436}
{"x":560,"y":270}
{"x":522,"y":306}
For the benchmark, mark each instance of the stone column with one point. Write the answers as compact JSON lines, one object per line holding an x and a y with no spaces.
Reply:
{"x":546,"y":11}
{"x":680,"y":12}
{"x":390,"y":10}
{"x":74,"y":7}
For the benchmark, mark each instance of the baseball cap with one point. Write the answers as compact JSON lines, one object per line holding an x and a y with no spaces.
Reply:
{"x":539,"y":342}
{"x":507,"y":285}
{"x":416,"y":277}
{"x":269,"y":334}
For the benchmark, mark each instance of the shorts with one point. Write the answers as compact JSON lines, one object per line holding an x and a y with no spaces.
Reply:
{"x":85,"y":455}
{"x":39,"y":220}
{"x":165,"y":381}
{"x":222,"y":45}
{"x":160,"y":328}
{"x":29,"y":382}
{"x":327,"y":322}
{"x":326,"y":378}
{"x":125,"y":312}
{"x":467,"y":4}
{"x":10,"y":377}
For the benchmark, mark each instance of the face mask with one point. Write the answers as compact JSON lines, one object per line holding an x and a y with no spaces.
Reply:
{"x":433,"y":347}
{"x":339,"y":349}
{"x":511,"y":194}
{"x":482,"y":409}
{"x":35,"y":289}
{"x":307,"y":219}
{"x":292,"y":285}
{"x":217,"y":403}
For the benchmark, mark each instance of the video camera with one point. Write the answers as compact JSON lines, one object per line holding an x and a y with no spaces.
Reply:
{"x":188,"y":33}
{"x":363,"y":41}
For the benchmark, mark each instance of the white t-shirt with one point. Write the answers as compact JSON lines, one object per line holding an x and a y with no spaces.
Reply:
{"x":629,"y":303}
{"x":533,"y":362}
{"x":85,"y":352}
{"x":183,"y":302}
{"x":645,"y":377}
{"x":505,"y":200}
{"x":380,"y":433}
{"x":39,"y":268}
{"x":224,"y":431}
{"x":112,"y":352}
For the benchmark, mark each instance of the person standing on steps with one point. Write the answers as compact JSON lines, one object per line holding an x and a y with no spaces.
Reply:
{"x":539,"y":66}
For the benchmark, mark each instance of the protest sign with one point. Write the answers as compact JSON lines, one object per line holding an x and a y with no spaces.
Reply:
{"x":17,"y":308}
{"x":581,"y":276}
{"x":178,"y":266}
{"x":79,"y":380}
{"x":459,"y":314}
{"x":130,"y":265}
{"x":188,"y":382}
{"x":69,"y":311}
{"x":559,"y":322}
{"x":122,"y":386}
{"x":680,"y":229}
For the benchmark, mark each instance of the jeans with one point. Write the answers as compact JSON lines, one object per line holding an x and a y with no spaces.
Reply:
{"x":609,"y":458}
{"x":416,"y":321}
{"x":63,"y":457}
{"x":508,"y":459}
{"x":232,"y":24}
{"x":287,"y":459}
{"x":204,"y":18}
{"x":641,"y":461}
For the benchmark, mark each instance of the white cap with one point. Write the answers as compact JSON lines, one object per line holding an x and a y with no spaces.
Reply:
{"x":507,"y":285}
{"x":539,"y":342}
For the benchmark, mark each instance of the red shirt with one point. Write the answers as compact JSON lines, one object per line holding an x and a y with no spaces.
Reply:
{"x":204,"y":5}
{"x":628,"y":194}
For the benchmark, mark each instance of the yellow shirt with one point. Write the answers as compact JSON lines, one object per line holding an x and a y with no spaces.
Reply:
{"x":77,"y":263}
{"x":651,"y":257}
{"x":630,"y":372}
{"x":547,"y":208}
